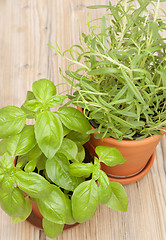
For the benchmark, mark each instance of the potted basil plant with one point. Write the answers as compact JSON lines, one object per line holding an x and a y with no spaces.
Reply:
{"x":48,"y":164}
{"x":120,"y":82}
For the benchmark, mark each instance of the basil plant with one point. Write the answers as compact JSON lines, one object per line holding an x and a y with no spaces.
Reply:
{"x":47,"y":162}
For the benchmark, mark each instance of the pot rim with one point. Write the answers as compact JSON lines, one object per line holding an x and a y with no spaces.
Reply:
{"x":132,"y":142}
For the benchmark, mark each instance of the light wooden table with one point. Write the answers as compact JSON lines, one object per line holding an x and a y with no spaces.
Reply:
{"x":26,"y":27}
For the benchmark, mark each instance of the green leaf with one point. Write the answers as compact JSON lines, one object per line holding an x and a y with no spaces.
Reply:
{"x":41,"y":163}
{"x":28,"y":210}
{"x":3,"y":146}
{"x":92,"y":57}
{"x":49,"y":133}
{"x":23,"y":142}
{"x":122,"y":122}
{"x":33,"y":105}
{"x":81,"y":169}
{"x":109,"y":155}
{"x":118,"y":200}
{"x":13,"y":203}
{"x":34,"y":153}
{"x":52,"y":206}
{"x":8,"y":183}
{"x":133,"y":88}
{"x":85,"y":201}
{"x":43,"y":89}
{"x":65,"y":131}
{"x":163,"y":76}
{"x":57,"y":169}
{"x":106,"y":70}
{"x":97,"y":6}
{"x":30,"y":166}
{"x":30,"y":96}
{"x":80,"y":155}
{"x":55,"y":101}
{"x":104,"y":187}
{"x":6,"y":162}
{"x":33,"y":184}
{"x":12,"y":121}
{"x":69,"y":215}
{"x":78,"y":138}
{"x":52,"y":229}
{"x":73,"y":119}
{"x":2,"y":174}
{"x":69,"y":149}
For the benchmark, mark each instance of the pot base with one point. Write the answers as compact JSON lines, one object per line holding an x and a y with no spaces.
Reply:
{"x":37,"y":222}
{"x":136,"y":177}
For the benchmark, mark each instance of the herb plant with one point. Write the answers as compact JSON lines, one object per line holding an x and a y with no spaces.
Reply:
{"x":52,"y":167}
{"x":120,"y":81}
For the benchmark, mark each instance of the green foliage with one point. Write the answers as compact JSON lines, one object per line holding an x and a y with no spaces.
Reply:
{"x":52,"y":167}
{"x":85,"y":201}
{"x":48,"y":132}
{"x":121,"y":70}
{"x":52,"y":206}
{"x":52,"y":229}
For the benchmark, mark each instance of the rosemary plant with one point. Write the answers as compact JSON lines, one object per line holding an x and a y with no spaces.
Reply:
{"x":121,"y":70}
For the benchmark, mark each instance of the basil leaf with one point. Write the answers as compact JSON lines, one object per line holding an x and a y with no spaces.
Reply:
{"x":43,"y":89}
{"x":104,"y":189}
{"x":13,"y":203}
{"x":6,"y":162}
{"x":23,"y":142}
{"x":52,"y":206}
{"x":69,"y":215}
{"x":33,"y":184}
{"x":81,"y":169}
{"x":109,"y":155}
{"x":80,"y":155}
{"x":34,"y":153}
{"x":65,"y":130}
{"x":55,"y":101}
{"x":3,"y":146}
{"x":52,"y":229}
{"x":8,"y":183}
{"x":57,"y":169}
{"x":69,"y":149}
{"x":74,"y":119}
{"x":2,"y":174}
{"x":33,"y":105}
{"x":118,"y":200}
{"x":49,"y":133}
{"x":85,"y":201}
{"x":78,"y":138}
{"x":41,"y":162}
{"x":28,"y":210}
{"x":12,"y":121}
{"x":30,"y":166}
{"x":30,"y":96}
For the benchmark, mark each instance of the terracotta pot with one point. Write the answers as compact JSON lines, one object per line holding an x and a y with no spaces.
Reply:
{"x":139,"y":157}
{"x":136,"y":153}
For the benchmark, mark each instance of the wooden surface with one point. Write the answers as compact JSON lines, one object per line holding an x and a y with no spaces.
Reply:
{"x":26,"y":27}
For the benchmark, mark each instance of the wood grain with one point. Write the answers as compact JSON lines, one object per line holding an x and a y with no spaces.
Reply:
{"x":26,"y":28}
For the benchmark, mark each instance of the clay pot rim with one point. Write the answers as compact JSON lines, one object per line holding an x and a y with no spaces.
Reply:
{"x":132,"y":142}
